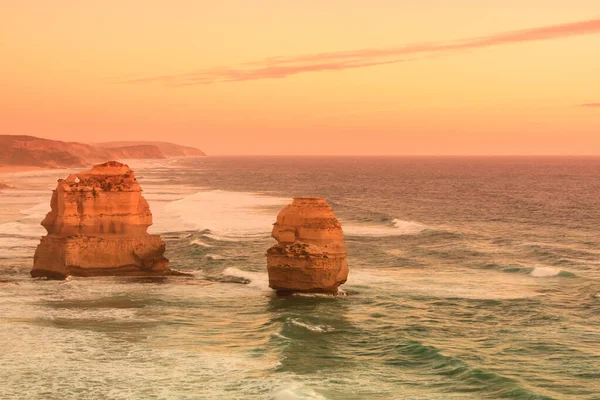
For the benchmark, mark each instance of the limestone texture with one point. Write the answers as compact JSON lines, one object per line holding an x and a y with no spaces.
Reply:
{"x":310,"y":255}
{"x":98,"y":226}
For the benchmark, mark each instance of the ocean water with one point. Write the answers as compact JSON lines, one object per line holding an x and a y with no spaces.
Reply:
{"x":470,"y":278}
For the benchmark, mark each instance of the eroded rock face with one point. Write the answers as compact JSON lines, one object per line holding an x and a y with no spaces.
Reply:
{"x":310,"y":255}
{"x":97,"y":226}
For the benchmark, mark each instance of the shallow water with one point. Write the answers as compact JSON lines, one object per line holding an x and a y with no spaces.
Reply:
{"x":470,"y":278}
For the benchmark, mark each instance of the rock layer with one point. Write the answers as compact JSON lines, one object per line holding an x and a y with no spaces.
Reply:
{"x":310,"y":255}
{"x":97,"y":226}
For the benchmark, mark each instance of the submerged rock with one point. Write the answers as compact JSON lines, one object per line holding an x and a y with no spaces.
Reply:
{"x":97,"y":226}
{"x":310,"y":255}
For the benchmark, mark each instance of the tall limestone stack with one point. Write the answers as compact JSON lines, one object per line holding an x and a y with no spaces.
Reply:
{"x":310,"y":255}
{"x":97,"y":226}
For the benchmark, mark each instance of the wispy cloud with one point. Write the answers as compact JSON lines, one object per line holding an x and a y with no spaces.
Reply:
{"x":281,"y":67}
{"x":590,"y":105}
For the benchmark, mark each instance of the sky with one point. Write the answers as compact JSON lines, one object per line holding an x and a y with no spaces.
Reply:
{"x":311,"y":77}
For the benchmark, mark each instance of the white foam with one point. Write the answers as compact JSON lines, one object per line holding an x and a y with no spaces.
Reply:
{"x":237,"y":238}
{"x":151,"y":197}
{"x":295,"y":391}
{"x":394,"y":252}
{"x":313,"y":328}
{"x":408,"y":227}
{"x":544,"y":271}
{"x":399,"y":228}
{"x":22,"y":229}
{"x":16,"y":252}
{"x":468,"y":284}
{"x":226,"y":214}
{"x":340,"y":292}
{"x":197,"y":274}
{"x":8,"y":242}
{"x":17,"y":247}
{"x":37,"y":212}
{"x":257,"y":279}
{"x":199,"y":242}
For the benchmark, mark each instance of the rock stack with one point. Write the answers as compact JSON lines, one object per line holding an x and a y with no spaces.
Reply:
{"x":310,"y":255}
{"x":97,"y":226}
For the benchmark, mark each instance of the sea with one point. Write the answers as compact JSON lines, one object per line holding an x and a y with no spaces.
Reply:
{"x":470,"y":278}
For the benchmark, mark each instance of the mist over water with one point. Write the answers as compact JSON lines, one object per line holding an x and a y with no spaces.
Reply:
{"x":469,"y":278}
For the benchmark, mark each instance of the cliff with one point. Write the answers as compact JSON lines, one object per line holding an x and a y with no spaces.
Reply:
{"x":97,"y":226}
{"x":168,"y":149}
{"x":30,"y":151}
{"x":310,"y":255}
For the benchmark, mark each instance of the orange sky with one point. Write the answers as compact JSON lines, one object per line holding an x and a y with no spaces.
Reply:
{"x":307,"y":77}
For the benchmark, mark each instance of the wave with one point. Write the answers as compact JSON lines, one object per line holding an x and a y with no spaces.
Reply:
{"x":226,"y":214}
{"x":232,"y":238}
{"x":295,"y":391}
{"x":234,"y":216}
{"x":166,"y":197}
{"x":312,"y":328}
{"x":398,"y":228}
{"x":200,"y":243}
{"x":394,"y":252}
{"x":255,"y":279}
{"x":37,"y":212}
{"x":549,"y":271}
{"x":26,"y":225}
{"x":408,"y":227}
{"x":17,"y":247}
{"x":16,"y":252}
{"x":536,"y":271}
{"x":20,"y":229}
{"x":430,"y":360}
{"x":341,"y":292}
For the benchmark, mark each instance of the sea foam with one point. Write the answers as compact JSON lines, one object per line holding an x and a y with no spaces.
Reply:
{"x":200,"y":243}
{"x":295,"y":391}
{"x":257,"y":279}
{"x":545,"y":271}
{"x":310,"y":327}
{"x":398,"y":227}
{"x":226,"y":214}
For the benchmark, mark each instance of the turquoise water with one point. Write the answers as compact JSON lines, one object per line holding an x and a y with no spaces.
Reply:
{"x":470,"y":278}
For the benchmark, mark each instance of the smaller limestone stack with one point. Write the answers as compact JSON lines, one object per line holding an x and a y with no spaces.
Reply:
{"x":97,"y":226}
{"x":310,"y":255}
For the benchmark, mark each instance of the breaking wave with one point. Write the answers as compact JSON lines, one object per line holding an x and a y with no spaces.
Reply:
{"x":226,"y":214}
{"x":310,"y":327}
{"x":296,"y":391}
{"x":398,"y":228}
{"x":536,"y":271}
{"x":255,"y":279}
{"x":549,"y":271}
{"x":200,"y":243}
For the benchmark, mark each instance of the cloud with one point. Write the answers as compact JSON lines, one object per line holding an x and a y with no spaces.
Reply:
{"x":260,"y":72}
{"x":590,"y":105}
{"x":282,"y":67}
